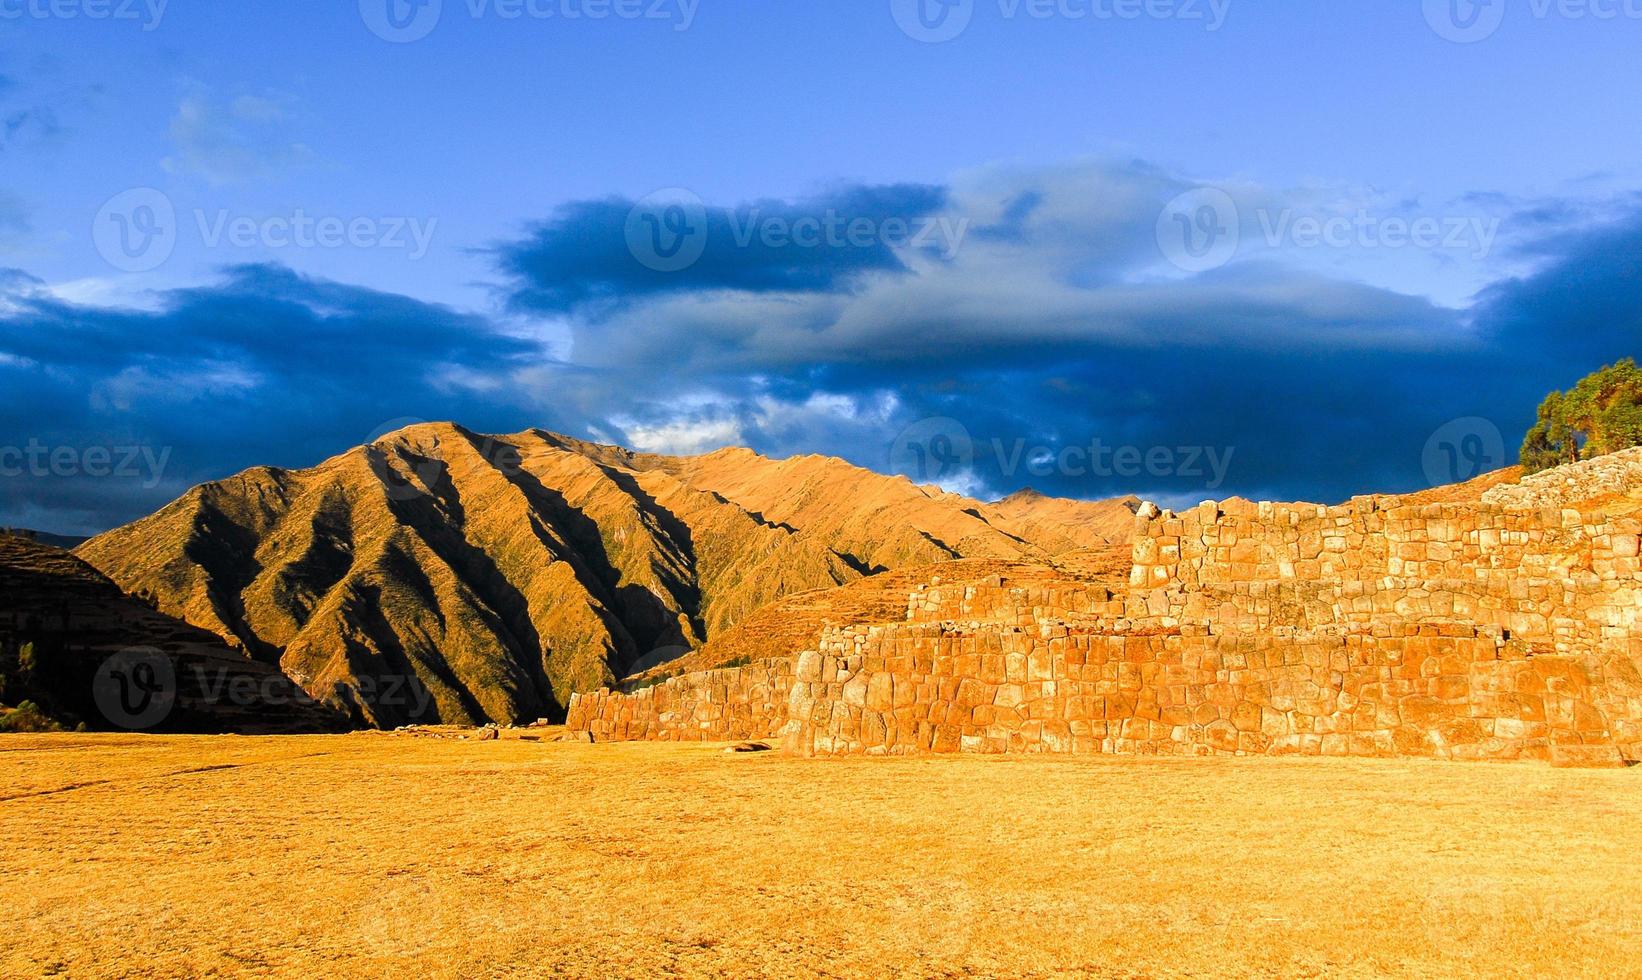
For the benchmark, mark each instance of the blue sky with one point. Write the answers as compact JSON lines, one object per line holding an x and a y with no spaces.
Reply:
{"x":1408,"y":221}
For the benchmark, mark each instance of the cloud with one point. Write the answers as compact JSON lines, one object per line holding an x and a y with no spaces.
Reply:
{"x":592,"y":253}
{"x":1059,"y":322}
{"x":683,"y":436}
{"x":263,"y":366}
{"x":231,"y":141}
{"x":1581,"y":307}
{"x":1056,"y":330}
{"x":28,"y":124}
{"x":35,"y":101}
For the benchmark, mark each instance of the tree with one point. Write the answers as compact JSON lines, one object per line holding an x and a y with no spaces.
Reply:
{"x":1601,"y":414}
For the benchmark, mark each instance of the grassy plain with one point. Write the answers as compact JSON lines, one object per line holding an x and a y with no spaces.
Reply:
{"x":375,"y":855}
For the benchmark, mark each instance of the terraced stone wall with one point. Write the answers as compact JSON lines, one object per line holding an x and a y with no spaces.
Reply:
{"x":1464,"y":631}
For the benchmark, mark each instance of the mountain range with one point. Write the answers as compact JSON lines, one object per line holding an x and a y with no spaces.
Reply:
{"x":438,"y":575}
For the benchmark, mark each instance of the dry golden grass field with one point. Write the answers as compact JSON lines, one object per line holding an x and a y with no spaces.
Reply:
{"x":374,"y":855}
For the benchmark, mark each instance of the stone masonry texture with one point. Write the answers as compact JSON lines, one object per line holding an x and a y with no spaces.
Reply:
{"x":1509,"y":628}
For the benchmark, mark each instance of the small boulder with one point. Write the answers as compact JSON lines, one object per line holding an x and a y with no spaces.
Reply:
{"x":748,"y":747}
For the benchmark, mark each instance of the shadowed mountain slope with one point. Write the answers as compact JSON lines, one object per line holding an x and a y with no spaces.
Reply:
{"x":492,"y":576}
{"x":61,"y":624}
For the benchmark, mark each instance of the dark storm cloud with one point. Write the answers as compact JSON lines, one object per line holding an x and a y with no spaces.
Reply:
{"x":1057,"y":324}
{"x":262,"y":367}
{"x":585,"y":254}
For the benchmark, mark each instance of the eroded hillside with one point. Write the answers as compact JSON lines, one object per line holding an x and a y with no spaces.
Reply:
{"x":75,"y":646}
{"x":501,"y":574}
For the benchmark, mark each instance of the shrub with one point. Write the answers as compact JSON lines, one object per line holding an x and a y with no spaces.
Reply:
{"x":27,"y":717}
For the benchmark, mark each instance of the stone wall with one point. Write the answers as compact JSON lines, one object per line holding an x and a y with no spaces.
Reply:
{"x":735,"y":704}
{"x":1462,"y":631}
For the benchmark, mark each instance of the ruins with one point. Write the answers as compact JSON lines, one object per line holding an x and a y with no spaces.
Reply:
{"x":1505,"y":627}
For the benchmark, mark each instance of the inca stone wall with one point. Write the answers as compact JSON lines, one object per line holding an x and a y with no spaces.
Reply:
{"x":1462,"y":631}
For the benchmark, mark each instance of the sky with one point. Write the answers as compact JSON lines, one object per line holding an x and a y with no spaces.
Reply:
{"x":1187,"y":249}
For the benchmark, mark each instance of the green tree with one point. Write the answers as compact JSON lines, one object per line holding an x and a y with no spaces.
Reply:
{"x":1599,"y":415}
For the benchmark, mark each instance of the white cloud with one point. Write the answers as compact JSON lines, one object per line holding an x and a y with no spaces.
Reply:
{"x":243,"y":139}
{"x":684,"y":437}
{"x":135,"y":386}
{"x":110,"y":292}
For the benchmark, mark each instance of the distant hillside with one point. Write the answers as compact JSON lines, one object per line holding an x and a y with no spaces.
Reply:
{"x":44,"y":537}
{"x":500,"y":574}
{"x":85,"y":653}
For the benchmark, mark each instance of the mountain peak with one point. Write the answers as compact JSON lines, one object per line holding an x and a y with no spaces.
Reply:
{"x":498,"y":584}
